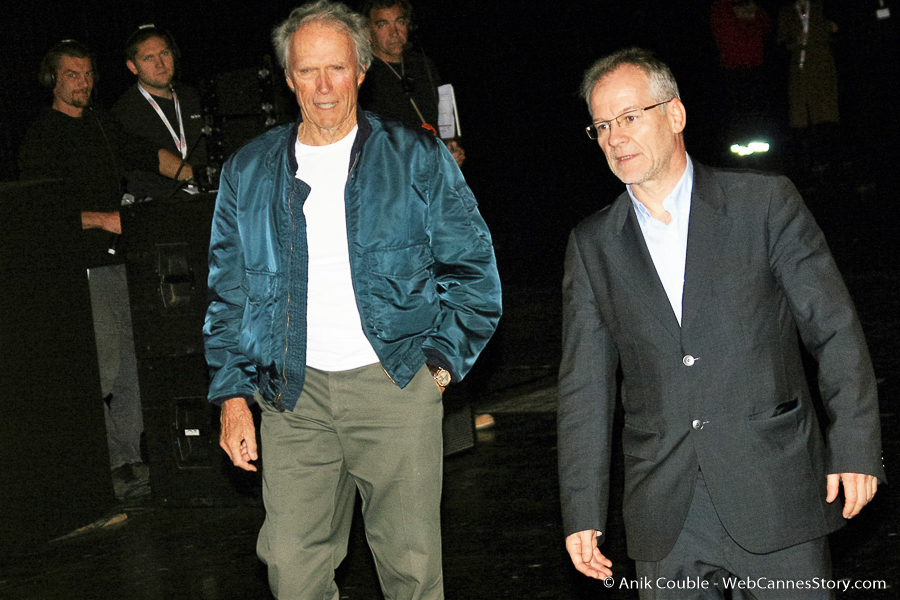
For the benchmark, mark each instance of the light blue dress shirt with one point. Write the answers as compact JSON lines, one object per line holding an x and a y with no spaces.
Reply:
{"x":668,"y":243}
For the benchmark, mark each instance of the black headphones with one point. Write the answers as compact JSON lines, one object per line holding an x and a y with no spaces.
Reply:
{"x":50,"y":62}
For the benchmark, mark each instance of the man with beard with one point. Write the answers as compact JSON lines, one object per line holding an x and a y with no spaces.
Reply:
{"x":76,"y":141}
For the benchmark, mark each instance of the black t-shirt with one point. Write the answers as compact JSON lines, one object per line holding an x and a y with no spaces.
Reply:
{"x":140,"y":119}
{"x":93,"y":152}
{"x":382,"y":92}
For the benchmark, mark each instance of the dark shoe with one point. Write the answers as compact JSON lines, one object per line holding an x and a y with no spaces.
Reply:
{"x":141,"y":472}
{"x":127,"y":485}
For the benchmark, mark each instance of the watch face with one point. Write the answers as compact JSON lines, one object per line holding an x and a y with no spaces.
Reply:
{"x":442,"y":377}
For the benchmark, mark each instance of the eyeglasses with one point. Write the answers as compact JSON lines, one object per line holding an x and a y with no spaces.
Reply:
{"x":628,"y":119}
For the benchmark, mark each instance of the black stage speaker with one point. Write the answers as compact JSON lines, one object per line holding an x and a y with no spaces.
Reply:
{"x":166,"y":243}
{"x":251,"y":92}
{"x":244,"y":103}
{"x":55,"y":463}
{"x":187,"y":466}
{"x":458,"y":427}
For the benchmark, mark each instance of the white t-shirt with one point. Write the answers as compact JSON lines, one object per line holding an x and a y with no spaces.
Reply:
{"x":334,"y":337}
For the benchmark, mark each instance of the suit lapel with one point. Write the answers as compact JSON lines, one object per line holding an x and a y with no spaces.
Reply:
{"x":708,"y":231}
{"x":636,"y":267}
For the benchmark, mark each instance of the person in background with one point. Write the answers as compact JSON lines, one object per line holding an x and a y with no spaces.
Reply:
{"x":159,"y":109}
{"x":402,"y":82}
{"x":82,"y":143}
{"x":740,"y":28}
{"x":806,"y":34}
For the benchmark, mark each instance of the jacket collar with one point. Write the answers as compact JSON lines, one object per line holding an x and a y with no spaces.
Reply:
{"x":629,"y":251}
{"x":362,"y":134}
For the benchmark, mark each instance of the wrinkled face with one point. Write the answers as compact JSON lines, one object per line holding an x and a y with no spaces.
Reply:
{"x":643,"y":153}
{"x":325,"y":77}
{"x":154,"y":64}
{"x":74,"y":83}
{"x":389,"y":32}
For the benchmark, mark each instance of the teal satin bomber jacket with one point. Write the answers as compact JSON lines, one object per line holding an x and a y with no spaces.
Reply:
{"x":421,"y":260}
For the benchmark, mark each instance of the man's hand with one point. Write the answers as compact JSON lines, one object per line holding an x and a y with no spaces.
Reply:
{"x":859,"y":490}
{"x":109,"y":221}
{"x":459,"y":155}
{"x":187,"y":173}
{"x":238,"y":437}
{"x":585,"y":555}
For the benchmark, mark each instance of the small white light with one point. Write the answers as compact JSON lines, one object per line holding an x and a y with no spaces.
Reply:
{"x":751,"y":148}
{"x":192,"y":433}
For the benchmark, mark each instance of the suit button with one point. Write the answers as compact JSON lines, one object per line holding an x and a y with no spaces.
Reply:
{"x":697,"y":424}
{"x":688,"y":360}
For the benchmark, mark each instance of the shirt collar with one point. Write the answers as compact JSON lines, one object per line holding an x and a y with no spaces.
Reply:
{"x":677,"y":203}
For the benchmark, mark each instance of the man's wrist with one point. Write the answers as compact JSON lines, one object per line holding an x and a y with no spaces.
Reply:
{"x":441,"y":376}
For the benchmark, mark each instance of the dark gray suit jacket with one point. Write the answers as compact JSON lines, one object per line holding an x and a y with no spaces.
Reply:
{"x":726,"y":391}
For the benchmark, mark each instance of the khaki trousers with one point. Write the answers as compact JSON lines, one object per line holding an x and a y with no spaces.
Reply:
{"x":354,"y":430}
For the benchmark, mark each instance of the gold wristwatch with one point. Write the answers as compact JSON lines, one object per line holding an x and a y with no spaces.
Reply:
{"x":441,"y":376}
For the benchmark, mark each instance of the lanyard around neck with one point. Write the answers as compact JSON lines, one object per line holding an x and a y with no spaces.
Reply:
{"x":400,"y":77}
{"x":803,"y":13}
{"x":180,"y":142}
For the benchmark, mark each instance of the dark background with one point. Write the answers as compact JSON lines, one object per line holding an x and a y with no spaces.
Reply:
{"x":516,"y":71}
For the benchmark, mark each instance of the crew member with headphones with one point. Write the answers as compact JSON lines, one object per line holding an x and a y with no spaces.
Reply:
{"x":75,"y":141}
{"x":158,"y":109}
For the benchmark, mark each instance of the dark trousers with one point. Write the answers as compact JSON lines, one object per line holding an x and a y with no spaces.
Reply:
{"x":706,"y":561}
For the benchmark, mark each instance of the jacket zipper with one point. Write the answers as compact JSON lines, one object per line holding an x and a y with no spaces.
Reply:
{"x":287,"y":324}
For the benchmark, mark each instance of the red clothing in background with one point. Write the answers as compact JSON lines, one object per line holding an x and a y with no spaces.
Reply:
{"x":740,"y":41}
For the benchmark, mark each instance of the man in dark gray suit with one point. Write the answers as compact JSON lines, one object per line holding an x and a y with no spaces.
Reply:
{"x":695,"y":284}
